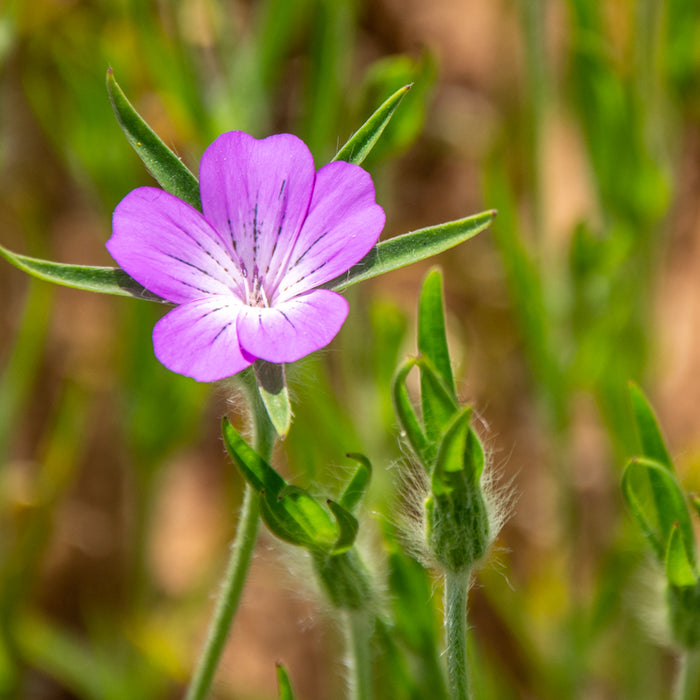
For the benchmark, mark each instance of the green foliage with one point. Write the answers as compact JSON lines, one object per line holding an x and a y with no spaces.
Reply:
{"x":456,"y":518}
{"x":659,"y":506}
{"x":167,"y":169}
{"x":361,"y":143}
{"x":284,"y":685}
{"x":295,"y":516}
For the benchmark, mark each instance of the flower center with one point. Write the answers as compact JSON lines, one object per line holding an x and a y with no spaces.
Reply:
{"x":255,"y":291}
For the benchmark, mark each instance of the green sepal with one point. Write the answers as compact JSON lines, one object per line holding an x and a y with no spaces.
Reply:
{"x":347,"y":525}
{"x":167,"y":169}
{"x":408,"y":420}
{"x":289,"y":511}
{"x":412,"y":247}
{"x":284,"y":685}
{"x":442,"y":398}
{"x":457,"y":521}
{"x":296,"y":517}
{"x":357,"y":486}
{"x":272,"y":385}
{"x":684,"y":614}
{"x":362,"y":141}
{"x":385,"y":257}
{"x":432,"y":345}
{"x":650,"y":436}
{"x":105,"y":280}
{"x":255,"y":470}
{"x":454,"y":467}
{"x":679,"y":569}
{"x":658,"y":504}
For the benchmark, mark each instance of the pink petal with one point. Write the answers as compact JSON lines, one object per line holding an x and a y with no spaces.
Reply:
{"x":168,"y":246}
{"x":342,"y":225}
{"x":256,"y":194}
{"x":294,"y":328}
{"x":199,"y":339}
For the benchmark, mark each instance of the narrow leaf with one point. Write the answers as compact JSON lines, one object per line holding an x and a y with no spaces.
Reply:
{"x":272,"y":385}
{"x":432,"y":345}
{"x":106,"y":280}
{"x":355,"y":489}
{"x":680,"y":570}
{"x":650,"y":437}
{"x":407,"y":416}
{"x":168,"y":170}
{"x":362,"y":141}
{"x":658,"y":504}
{"x":284,"y":685}
{"x":347,"y":525}
{"x":255,"y":470}
{"x":412,"y":247}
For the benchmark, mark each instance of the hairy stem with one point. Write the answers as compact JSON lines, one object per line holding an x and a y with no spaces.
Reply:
{"x":241,"y":556}
{"x":358,"y":626}
{"x":456,"y":590}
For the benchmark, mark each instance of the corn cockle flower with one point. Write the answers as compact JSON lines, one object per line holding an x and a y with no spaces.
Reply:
{"x":245,"y":272}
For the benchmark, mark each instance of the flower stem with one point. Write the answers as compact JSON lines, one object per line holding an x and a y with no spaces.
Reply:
{"x":689,"y":676}
{"x":456,"y":589}
{"x":358,"y":626}
{"x":241,"y":556}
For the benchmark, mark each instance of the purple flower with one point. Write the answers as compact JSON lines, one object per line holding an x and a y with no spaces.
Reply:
{"x":245,"y":273}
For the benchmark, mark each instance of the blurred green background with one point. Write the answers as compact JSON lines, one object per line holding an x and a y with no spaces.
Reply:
{"x":579,"y":121}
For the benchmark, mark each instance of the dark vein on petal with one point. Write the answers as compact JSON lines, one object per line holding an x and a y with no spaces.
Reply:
{"x":214,"y":339}
{"x":303,"y":255}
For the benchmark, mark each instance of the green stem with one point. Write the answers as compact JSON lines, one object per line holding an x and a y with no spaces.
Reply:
{"x":689,"y":676}
{"x":241,"y":556}
{"x":456,"y":590}
{"x":359,"y":631}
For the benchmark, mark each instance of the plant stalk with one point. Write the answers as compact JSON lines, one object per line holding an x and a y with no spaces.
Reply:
{"x":241,"y":556}
{"x":688,"y":687}
{"x":456,"y":590}
{"x":358,"y":626}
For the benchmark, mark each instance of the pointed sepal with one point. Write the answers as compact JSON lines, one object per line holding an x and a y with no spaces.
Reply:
{"x":167,"y":169}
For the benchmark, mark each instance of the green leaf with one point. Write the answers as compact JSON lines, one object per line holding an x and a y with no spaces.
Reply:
{"x":284,"y":685}
{"x":412,"y":247}
{"x":362,"y":141}
{"x":680,"y":570}
{"x":432,"y":345}
{"x":407,"y":416}
{"x":272,"y":385}
{"x":255,"y":470}
{"x":106,"y":280}
{"x":355,"y":489}
{"x":168,"y":170}
{"x":658,"y":504}
{"x":347,"y":525}
{"x":650,"y":437}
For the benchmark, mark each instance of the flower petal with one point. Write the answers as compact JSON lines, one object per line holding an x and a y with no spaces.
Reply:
{"x":168,"y":246}
{"x":342,"y":225}
{"x":293,"y":329}
{"x":256,"y":194}
{"x":199,"y":339}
